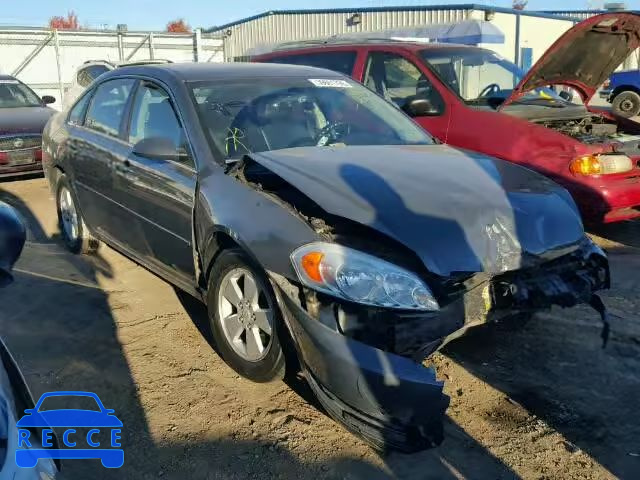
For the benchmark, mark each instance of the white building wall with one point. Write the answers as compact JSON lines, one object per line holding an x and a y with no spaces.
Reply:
{"x":75,"y":48}
{"x":279,"y":28}
{"x":540,"y":33}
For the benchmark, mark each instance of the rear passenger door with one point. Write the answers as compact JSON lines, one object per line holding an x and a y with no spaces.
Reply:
{"x":157,"y":194}
{"x":95,"y":145}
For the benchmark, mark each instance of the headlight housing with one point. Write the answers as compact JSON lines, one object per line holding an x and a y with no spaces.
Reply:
{"x":601,"y":164}
{"x":359,"y":277}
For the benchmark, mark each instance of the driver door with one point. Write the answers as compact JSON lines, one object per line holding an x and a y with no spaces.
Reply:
{"x":398,"y":80}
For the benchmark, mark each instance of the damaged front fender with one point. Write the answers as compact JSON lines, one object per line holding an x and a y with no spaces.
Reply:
{"x":266,"y":230}
{"x":389,"y":400}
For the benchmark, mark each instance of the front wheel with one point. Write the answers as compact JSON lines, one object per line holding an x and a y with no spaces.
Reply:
{"x":626,"y":104}
{"x":74,"y":232}
{"x":244,"y":317}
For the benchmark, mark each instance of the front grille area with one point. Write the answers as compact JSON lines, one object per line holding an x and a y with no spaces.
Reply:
{"x":20,"y":142}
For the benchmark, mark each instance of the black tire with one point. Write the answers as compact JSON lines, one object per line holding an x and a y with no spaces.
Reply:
{"x":83,"y":242}
{"x":626,"y":104}
{"x":272,"y":366}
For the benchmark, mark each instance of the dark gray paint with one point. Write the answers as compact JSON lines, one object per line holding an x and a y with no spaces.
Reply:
{"x":439,"y":204}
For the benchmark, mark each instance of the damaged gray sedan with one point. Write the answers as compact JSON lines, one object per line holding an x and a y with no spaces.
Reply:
{"x":323,"y":229}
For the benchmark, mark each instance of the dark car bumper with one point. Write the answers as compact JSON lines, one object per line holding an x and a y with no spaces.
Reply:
{"x":391,"y":399}
{"x":387,"y":399}
{"x":21,"y":170}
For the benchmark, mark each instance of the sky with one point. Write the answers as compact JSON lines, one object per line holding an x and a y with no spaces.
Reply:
{"x":154,"y":14}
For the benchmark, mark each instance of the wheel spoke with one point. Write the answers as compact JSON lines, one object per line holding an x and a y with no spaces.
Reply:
{"x":250,"y":290}
{"x":262,"y":320}
{"x":234,"y":327}
{"x":232,"y":292}
{"x":254,"y":343}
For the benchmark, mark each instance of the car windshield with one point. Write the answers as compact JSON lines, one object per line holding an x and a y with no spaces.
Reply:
{"x":482,"y":77}
{"x":14,"y":94}
{"x":257,"y":115}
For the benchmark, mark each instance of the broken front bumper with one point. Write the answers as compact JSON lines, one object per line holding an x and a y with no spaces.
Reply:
{"x":364,"y":364}
{"x":390,"y":401}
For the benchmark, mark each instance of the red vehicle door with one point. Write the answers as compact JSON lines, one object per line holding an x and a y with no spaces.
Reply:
{"x":396,"y":76}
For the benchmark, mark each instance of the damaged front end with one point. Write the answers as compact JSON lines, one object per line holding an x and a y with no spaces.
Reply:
{"x":362,"y":353}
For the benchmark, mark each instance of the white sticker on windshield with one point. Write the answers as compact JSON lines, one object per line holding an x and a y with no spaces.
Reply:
{"x":330,"y":83}
{"x":12,"y":82}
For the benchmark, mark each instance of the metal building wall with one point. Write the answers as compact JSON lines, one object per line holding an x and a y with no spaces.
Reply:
{"x":278,"y":27}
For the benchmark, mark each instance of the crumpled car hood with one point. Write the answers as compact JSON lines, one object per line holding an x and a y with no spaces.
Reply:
{"x":458,"y":211}
{"x":585,"y":56}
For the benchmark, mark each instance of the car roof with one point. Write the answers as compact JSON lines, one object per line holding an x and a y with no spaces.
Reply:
{"x":190,"y":72}
{"x":7,"y":77}
{"x":341,"y":44}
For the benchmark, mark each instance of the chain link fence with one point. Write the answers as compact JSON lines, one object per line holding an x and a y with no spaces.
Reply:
{"x":49,"y":60}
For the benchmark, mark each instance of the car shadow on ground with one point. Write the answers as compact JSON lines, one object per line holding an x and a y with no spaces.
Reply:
{"x":555,"y":368}
{"x":59,"y":345}
{"x":460,"y":456}
{"x":624,"y":233}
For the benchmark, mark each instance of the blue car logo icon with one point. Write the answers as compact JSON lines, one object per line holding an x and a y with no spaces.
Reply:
{"x":98,"y":422}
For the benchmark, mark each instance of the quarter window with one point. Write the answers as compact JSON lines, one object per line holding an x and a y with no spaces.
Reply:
{"x":341,"y":62}
{"x":108,"y":106}
{"x":89,"y":74}
{"x":76,"y":115}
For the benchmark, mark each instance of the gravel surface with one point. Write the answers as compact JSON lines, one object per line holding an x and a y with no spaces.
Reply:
{"x":540,"y":401}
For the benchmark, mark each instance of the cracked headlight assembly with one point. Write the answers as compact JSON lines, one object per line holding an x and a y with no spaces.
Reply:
{"x":359,"y":277}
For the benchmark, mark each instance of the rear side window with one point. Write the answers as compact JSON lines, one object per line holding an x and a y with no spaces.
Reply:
{"x":108,"y":105}
{"x":89,"y":74}
{"x":341,"y":62}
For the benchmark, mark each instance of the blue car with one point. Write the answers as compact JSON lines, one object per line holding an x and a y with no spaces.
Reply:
{"x":67,"y":420}
{"x":622,"y":90}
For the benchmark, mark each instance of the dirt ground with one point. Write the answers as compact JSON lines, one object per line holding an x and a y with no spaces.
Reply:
{"x":544,"y":401}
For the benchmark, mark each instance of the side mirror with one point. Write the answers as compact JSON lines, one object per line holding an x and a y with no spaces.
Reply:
{"x":29,"y":411}
{"x":156,"y":148}
{"x":421,"y":107}
{"x":567,"y":95}
{"x":48,"y":99}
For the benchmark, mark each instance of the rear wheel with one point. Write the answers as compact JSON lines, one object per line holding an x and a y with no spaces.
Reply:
{"x":626,"y":104}
{"x":74,"y":232}
{"x":244,"y":317}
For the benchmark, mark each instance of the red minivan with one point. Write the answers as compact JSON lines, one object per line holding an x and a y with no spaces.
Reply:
{"x":473,"y":98}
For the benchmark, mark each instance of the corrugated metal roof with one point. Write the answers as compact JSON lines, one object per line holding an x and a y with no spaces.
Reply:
{"x":464,"y":6}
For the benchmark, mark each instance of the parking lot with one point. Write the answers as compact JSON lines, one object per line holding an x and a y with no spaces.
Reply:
{"x":542,"y":400}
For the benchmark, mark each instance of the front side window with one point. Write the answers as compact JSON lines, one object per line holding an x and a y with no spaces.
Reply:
{"x":398,"y":80}
{"x":15,"y":94}
{"x":341,"y":62}
{"x":108,"y":105}
{"x":482,"y":77}
{"x":247,"y":116}
{"x":153,"y":116}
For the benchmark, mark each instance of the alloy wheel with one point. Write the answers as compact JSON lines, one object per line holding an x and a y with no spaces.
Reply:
{"x":245,"y":314}
{"x":68,"y":214}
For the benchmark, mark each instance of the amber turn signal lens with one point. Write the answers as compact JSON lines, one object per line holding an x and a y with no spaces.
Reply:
{"x":588,"y":165}
{"x":311,"y":265}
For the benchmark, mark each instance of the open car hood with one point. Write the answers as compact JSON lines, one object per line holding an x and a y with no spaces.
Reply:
{"x":585,"y":56}
{"x":458,"y":211}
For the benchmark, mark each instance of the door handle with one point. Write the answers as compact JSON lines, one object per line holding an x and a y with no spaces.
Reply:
{"x":123,"y":166}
